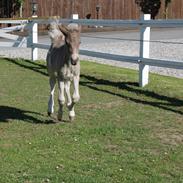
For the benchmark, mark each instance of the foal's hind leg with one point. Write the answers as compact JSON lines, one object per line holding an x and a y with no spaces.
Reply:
{"x":52,"y":81}
{"x":61,"y":99}
{"x":70,"y":104}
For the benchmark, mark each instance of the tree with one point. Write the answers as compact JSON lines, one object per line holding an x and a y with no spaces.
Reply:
{"x":166,"y":8}
{"x":19,"y":3}
{"x":149,"y":6}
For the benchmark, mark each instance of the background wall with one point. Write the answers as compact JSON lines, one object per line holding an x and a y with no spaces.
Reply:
{"x":110,"y":9}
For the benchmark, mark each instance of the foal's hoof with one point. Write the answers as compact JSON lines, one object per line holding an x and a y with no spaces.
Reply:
{"x":59,"y":119}
{"x":49,"y":113}
{"x":75,"y":99}
{"x":71,"y":118}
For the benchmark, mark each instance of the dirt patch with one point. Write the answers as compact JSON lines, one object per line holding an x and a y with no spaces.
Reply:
{"x":170,"y":136}
{"x":7,"y":146}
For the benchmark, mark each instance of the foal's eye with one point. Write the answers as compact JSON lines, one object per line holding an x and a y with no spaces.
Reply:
{"x":67,"y":41}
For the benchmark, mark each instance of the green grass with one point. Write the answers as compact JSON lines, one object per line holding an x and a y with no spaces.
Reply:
{"x":122,"y":133}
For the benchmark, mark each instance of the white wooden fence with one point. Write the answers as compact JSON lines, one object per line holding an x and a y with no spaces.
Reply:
{"x":142,"y":60}
{"x":5,"y":33}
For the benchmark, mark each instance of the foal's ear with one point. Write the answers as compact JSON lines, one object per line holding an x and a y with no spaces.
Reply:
{"x":79,"y":28}
{"x":64,"y":29}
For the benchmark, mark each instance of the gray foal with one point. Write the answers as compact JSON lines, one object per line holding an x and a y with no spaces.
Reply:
{"x":63,"y":65}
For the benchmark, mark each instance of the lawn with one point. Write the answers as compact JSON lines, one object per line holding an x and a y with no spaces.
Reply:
{"x":122,"y":133}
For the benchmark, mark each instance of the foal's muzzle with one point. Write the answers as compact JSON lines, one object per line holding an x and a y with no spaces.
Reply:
{"x":74,"y":61}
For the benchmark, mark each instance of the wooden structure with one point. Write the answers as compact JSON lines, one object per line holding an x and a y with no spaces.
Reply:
{"x":108,"y":9}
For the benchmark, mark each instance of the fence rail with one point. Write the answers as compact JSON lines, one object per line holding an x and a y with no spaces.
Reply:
{"x":117,"y":23}
{"x":144,"y":24}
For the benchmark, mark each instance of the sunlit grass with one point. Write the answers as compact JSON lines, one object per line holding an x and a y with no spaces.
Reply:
{"x":122,"y":133}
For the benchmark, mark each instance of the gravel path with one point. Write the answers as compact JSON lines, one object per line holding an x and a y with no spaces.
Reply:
{"x":161,"y":49}
{"x":173,"y":50}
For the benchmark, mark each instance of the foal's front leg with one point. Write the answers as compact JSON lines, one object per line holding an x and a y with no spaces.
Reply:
{"x":52,"y":81}
{"x":70,"y":104}
{"x":61,"y":99}
{"x":76,"y":95}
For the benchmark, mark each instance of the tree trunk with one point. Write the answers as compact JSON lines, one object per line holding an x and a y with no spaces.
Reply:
{"x":166,"y":13}
{"x":21,"y":10}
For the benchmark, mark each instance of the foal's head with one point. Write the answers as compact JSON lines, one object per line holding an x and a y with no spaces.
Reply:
{"x":72,"y":39}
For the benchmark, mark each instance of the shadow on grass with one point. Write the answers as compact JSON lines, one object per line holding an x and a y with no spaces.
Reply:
{"x":30,"y":65}
{"x":165,"y":102}
{"x":7,"y":114}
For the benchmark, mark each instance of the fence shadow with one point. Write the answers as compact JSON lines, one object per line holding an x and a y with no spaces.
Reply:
{"x":164,"y":102}
{"x":8,"y":114}
{"x":30,"y":65}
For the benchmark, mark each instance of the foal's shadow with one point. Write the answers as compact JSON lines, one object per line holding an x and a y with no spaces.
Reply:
{"x":8,"y":114}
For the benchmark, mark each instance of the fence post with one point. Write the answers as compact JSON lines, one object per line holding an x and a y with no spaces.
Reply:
{"x":75,"y":16}
{"x":34,"y":51}
{"x":33,"y":38}
{"x":144,"y":52}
